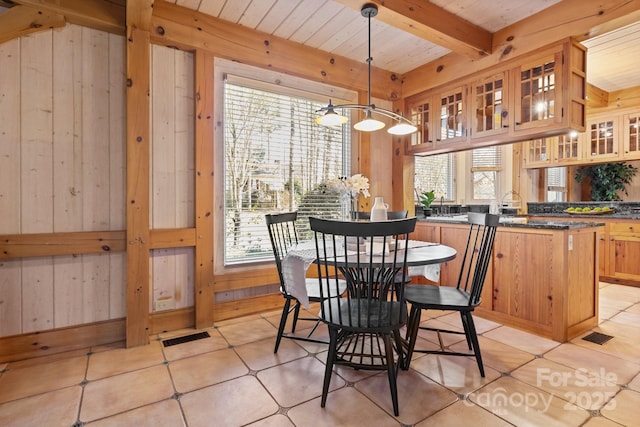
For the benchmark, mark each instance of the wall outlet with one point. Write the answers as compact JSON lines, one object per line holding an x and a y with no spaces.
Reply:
{"x":165,"y":303}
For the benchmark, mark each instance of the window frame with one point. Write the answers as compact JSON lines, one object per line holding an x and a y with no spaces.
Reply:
{"x":266,"y":80}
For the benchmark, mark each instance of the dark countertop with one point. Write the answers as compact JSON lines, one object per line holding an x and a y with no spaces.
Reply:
{"x":622,"y":210}
{"x":530,"y":223}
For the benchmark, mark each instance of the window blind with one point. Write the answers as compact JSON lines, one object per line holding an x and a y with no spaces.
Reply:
{"x":276,"y":159}
{"x":436,"y":173}
{"x":486,"y":164}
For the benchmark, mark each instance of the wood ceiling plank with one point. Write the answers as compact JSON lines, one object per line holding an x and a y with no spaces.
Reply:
{"x":22,"y":20}
{"x":568,"y":18}
{"x":99,"y":14}
{"x":433,"y":23}
{"x":189,"y":30}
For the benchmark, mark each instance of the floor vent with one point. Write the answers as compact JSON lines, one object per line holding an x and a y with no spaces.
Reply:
{"x":597,"y":337}
{"x":186,"y":338}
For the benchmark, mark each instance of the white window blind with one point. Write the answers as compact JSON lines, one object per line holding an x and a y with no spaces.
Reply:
{"x":436,"y":173}
{"x":557,"y":184}
{"x":486,"y":164}
{"x":276,"y":159}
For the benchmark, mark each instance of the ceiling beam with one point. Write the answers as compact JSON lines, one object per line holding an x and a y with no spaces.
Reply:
{"x":568,"y":18}
{"x":188,"y":29}
{"x":139,"y":14}
{"x":20,"y":20}
{"x":105,"y":15}
{"x":435,"y":24}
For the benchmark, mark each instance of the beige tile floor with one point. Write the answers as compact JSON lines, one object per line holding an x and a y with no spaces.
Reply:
{"x":234,"y":379}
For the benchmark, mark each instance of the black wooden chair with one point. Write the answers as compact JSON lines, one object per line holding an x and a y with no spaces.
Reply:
{"x":283,"y":234}
{"x":364,"y":215}
{"x":364,"y":325}
{"x":463,"y":297}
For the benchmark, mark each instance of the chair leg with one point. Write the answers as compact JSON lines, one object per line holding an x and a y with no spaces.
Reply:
{"x":331,"y":357}
{"x":413,"y":326}
{"x":391,"y":373}
{"x":283,"y":322}
{"x":474,"y":340}
{"x":296,"y":313}
{"x":465,"y":325}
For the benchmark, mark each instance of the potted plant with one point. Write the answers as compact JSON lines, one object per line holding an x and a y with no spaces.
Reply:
{"x":426,"y":198}
{"x":607,"y":179}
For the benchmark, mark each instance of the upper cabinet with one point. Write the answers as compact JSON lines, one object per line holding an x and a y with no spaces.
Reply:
{"x":538,"y":96}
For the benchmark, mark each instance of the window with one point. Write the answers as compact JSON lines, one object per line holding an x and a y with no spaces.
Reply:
{"x":557,"y":184}
{"x":275,"y":159}
{"x":436,"y":173}
{"x":486,"y":165}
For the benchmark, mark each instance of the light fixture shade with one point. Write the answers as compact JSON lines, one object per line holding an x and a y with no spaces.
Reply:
{"x":369,"y":124}
{"x":402,"y":129}
{"x":331,"y":118}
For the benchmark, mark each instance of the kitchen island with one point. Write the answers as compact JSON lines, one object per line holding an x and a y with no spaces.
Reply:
{"x":544,"y":275}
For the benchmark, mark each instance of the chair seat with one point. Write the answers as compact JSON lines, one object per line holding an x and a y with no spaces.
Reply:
{"x":438,"y":297}
{"x":376,"y":317}
{"x":313,"y":290}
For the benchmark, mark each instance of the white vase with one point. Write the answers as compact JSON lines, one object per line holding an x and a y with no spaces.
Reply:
{"x":379,"y":210}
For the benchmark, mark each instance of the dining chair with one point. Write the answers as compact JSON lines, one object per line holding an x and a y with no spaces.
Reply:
{"x":364,"y":325}
{"x":283,"y":234}
{"x":364,"y":215}
{"x":464,"y":297}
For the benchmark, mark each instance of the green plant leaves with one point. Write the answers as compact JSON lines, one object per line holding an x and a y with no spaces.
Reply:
{"x":607,"y":179}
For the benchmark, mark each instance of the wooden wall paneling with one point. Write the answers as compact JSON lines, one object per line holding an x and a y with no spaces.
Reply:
{"x":68,"y":290}
{"x":68,"y":188}
{"x":37,"y":294}
{"x":10,"y":138}
{"x":138,"y":145}
{"x":37,"y":344}
{"x":95,"y":130}
{"x":185,"y":146}
{"x":163,"y":203}
{"x":204,"y":189}
{"x":95,"y":287}
{"x":117,"y":132}
{"x":11,"y":291}
{"x":36,"y":114}
{"x":163,"y":280}
{"x":118,"y":285}
{"x":45,"y":244}
{"x":117,"y":172}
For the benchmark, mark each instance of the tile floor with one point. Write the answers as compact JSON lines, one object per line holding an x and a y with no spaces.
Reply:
{"x":233,"y":379}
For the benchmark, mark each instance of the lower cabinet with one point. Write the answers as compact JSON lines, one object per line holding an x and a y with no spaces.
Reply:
{"x":544,"y":281}
{"x":623,"y":247}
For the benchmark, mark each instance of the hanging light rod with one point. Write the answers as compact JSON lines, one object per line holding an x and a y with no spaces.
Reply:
{"x":403,"y":125}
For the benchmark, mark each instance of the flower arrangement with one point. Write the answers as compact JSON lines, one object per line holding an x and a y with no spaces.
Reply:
{"x":350,"y":186}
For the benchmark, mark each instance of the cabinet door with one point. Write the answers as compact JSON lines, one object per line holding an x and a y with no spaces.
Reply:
{"x":538,"y":90}
{"x":489,"y":106}
{"x":569,"y":148}
{"x":451,"y":128}
{"x":623,"y":256}
{"x":423,"y":115}
{"x":631,"y":135}
{"x":602,"y":139}
{"x":537,"y":153}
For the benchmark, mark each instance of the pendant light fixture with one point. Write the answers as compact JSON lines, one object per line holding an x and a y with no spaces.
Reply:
{"x":403,"y":126}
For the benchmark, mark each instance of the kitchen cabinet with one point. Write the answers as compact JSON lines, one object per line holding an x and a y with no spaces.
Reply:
{"x":631,"y":135}
{"x":561,"y":150}
{"x":489,"y":97}
{"x":623,"y":247}
{"x":441,"y":119}
{"x":543,"y":280}
{"x":602,"y":139}
{"x":538,"y":96}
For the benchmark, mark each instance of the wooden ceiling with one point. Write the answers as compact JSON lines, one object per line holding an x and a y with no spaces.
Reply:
{"x":405,"y":35}
{"x":401,"y":40}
